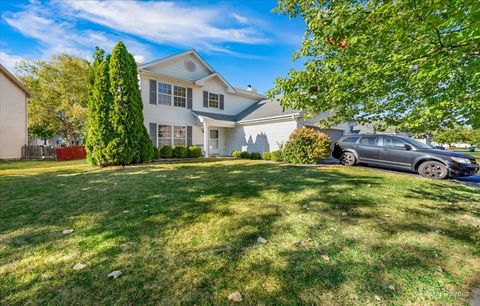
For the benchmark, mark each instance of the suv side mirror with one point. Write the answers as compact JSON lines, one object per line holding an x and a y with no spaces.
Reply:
{"x":408,"y":147}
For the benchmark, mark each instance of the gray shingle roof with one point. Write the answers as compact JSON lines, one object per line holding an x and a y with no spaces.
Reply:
{"x":264,"y":109}
{"x":216,"y":116}
{"x":259,"y":110}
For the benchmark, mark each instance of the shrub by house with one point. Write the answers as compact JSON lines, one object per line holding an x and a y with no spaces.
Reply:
{"x":306,"y":146}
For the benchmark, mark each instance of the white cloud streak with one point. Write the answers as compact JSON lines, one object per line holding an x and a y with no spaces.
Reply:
{"x":166,"y":22}
{"x":60,"y":35}
{"x":9,"y":60}
{"x":239,"y":18}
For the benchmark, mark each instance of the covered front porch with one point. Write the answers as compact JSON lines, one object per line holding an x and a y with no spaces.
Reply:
{"x":214,"y":133}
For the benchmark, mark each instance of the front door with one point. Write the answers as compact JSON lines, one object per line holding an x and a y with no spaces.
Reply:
{"x":213,"y":141}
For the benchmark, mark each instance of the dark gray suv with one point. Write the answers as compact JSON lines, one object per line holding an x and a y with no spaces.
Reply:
{"x":403,"y":153}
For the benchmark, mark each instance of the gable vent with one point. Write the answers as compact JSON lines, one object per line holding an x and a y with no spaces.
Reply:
{"x":190,"y":65}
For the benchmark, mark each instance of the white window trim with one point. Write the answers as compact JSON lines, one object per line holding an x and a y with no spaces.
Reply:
{"x":172,"y":133}
{"x":218,"y":100}
{"x":172,"y":95}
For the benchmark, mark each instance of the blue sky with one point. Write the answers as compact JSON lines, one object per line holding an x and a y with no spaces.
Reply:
{"x":243,"y":40}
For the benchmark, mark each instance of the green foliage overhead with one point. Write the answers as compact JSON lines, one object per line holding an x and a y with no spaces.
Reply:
{"x":457,"y":135}
{"x":59,"y":88}
{"x":306,"y":146}
{"x":411,"y":64}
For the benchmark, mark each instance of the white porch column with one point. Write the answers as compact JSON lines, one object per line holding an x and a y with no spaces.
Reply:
{"x":205,"y":138}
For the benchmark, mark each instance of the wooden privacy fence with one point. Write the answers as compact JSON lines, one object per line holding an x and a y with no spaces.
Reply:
{"x":68,"y":153}
{"x":38,"y":152}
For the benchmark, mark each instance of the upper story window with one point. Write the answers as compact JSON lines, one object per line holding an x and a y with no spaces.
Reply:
{"x":164,"y":94}
{"x":213,"y":100}
{"x":179,"y":96}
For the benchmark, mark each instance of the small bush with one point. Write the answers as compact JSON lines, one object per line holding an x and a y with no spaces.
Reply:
{"x":179,"y":152}
{"x":255,"y":155}
{"x":245,"y":155}
{"x":277,"y":155}
{"x":194,"y":151}
{"x":165,"y":152}
{"x":236,"y":154}
{"x":267,"y":155}
{"x":306,"y":146}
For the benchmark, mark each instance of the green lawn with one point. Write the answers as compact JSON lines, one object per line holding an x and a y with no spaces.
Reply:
{"x":189,"y":235}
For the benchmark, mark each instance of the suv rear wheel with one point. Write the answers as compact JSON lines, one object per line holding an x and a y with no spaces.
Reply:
{"x":433,"y":169}
{"x":348,"y":159}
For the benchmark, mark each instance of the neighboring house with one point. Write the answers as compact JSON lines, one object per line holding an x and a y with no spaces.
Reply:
{"x":186,"y":102}
{"x":13,"y":115}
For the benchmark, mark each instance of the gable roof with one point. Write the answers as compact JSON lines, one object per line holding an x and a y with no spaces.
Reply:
{"x":265,"y":109}
{"x":175,"y":56}
{"x":213,"y":73}
{"x":14,"y":80}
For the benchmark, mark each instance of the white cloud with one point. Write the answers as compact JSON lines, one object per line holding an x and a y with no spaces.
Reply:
{"x":60,"y":35}
{"x":165,"y":22}
{"x":139,"y":58}
{"x":239,"y":18}
{"x":9,"y":60}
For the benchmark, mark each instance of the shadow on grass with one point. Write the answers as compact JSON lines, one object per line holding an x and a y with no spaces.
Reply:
{"x":187,"y":233}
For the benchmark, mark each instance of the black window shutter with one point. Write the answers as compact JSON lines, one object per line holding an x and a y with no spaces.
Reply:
{"x":153,"y":92}
{"x":205,"y":98}
{"x":153,"y":133}
{"x":222,"y":102}
{"x":189,"y":98}
{"x":189,"y":135}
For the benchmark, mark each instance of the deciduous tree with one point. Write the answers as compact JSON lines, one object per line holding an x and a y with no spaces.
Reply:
{"x":411,"y":64}
{"x":59,"y":88}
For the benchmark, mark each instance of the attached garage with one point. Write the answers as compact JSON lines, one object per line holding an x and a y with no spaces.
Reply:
{"x":334,"y":134}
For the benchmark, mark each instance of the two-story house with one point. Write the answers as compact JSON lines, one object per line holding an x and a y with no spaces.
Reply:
{"x":186,"y":102}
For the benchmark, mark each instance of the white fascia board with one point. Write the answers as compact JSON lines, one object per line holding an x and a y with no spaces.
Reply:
{"x":294,"y":116}
{"x":175,"y":56}
{"x":161,"y":75}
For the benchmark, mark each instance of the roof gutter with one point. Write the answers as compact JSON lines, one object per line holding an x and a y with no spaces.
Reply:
{"x":293,"y":116}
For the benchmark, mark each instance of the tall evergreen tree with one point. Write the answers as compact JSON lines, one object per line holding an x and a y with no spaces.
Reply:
{"x":130,"y":142}
{"x":100,"y":130}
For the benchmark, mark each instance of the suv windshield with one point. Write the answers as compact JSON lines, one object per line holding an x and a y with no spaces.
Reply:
{"x":419,"y":144}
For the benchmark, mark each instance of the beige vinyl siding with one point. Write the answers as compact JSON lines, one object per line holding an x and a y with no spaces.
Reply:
{"x":13,"y":116}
